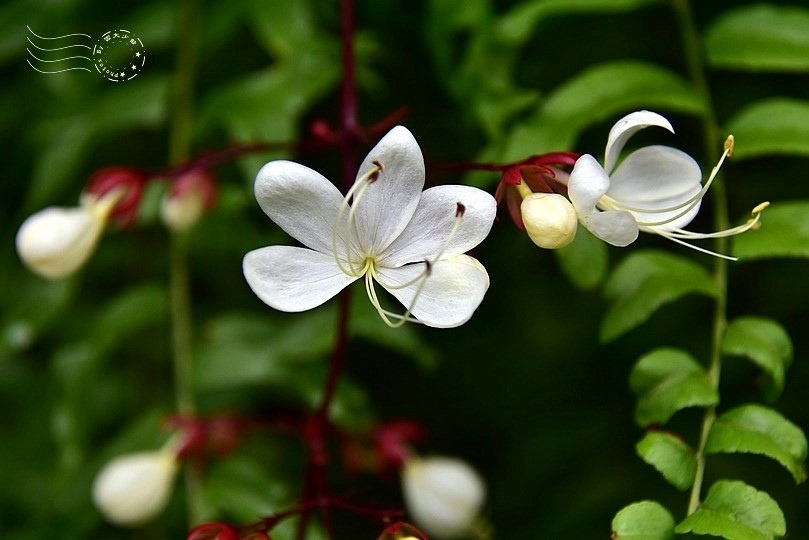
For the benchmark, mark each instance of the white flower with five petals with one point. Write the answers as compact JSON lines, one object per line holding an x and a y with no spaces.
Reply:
{"x":655,"y":189}
{"x":385,"y":230}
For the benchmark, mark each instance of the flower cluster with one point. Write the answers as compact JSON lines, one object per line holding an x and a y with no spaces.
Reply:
{"x":57,"y":241}
{"x":655,"y":189}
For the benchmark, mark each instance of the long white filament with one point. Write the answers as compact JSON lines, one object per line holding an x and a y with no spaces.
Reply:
{"x":680,"y":235}
{"x":356,"y":264}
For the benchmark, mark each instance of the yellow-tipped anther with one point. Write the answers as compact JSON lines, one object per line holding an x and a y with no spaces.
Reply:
{"x":730,"y":142}
{"x":761,"y":207}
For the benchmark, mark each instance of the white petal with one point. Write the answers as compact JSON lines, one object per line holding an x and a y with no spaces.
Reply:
{"x":657,"y":177}
{"x":428,"y":232}
{"x":300,"y":201}
{"x":587,"y":184}
{"x":386,"y":206}
{"x":55,"y":242}
{"x":134,"y":488}
{"x":444,"y":495}
{"x":615,"y":227}
{"x":625,"y":128}
{"x":293,"y":279}
{"x":454,"y":289}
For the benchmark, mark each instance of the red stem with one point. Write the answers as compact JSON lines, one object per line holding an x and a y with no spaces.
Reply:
{"x":315,"y":487}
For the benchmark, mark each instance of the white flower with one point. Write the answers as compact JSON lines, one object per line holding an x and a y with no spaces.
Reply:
{"x":443,"y":495}
{"x":549,"y":219}
{"x":56,"y":242}
{"x":656,"y":189}
{"x":410,"y":242}
{"x":134,"y":488}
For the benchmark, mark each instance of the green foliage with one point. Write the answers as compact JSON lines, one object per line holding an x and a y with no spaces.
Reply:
{"x":666,"y":381}
{"x":760,"y":37}
{"x":760,"y":430}
{"x":736,"y":511}
{"x":244,"y":349}
{"x":645,"y":520}
{"x":776,"y":126}
{"x":646,"y":280}
{"x":785,"y":233}
{"x":245,"y":488}
{"x":595,"y":95}
{"x":671,"y":456}
{"x":67,"y":140}
{"x":765,"y":343}
{"x":585,"y":260}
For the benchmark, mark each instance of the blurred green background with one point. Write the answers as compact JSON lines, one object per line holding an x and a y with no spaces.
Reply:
{"x":525,"y":391}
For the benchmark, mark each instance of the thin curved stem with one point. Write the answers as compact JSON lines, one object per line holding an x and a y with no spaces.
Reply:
{"x":696,"y":70}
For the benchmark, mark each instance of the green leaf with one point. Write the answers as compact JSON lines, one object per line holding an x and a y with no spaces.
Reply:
{"x":759,"y":430}
{"x":775,"y":126}
{"x":519,"y":23}
{"x":585,"y":260}
{"x":736,"y":511}
{"x":646,"y":280}
{"x":674,"y":394}
{"x":765,"y":343}
{"x":671,"y":456}
{"x":245,"y":489}
{"x":666,"y":381}
{"x":66,"y":142}
{"x":645,"y":520}
{"x":405,"y":340}
{"x":283,"y":28}
{"x":760,"y":37}
{"x":784,"y":232}
{"x":658,"y":365}
{"x":135,"y":309}
{"x":242,"y":350}
{"x":596,"y":95}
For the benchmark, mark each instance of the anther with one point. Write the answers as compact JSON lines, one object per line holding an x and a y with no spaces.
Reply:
{"x":729,"y":145}
{"x":428,"y":268}
{"x":760,"y":207}
{"x":373,"y":176}
{"x":459,"y":211}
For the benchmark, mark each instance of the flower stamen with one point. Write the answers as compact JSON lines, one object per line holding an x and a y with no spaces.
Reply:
{"x":371,"y":275}
{"x":686,"y":206}
{"x":343,"y":228}
{"x":679,"y":235}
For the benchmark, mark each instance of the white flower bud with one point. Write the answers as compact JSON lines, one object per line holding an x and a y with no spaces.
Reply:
{"x":189,"y":196}
{"x":550,"y":220}
{"x":134,"y":488}
{"x":56,"y":242}
{"x":180,"y":213}
{"x":443,"y":495}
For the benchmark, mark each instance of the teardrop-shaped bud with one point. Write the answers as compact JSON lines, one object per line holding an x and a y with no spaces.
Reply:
{"x":444,"y":495}
{"x":55,"y":242}
{"x":134,"y":488}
